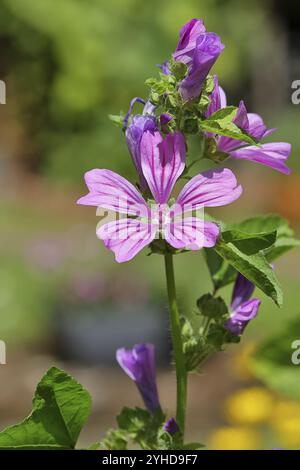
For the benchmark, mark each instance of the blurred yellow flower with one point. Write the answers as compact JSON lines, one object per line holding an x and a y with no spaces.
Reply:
{"x":235,"y":438}
{"x":241,"y":362}
{"x":249,"y":406}
{"x":285,"y":421}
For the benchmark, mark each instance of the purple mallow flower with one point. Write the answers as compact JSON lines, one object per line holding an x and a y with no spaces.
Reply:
{"x":171,"y":427}
{"x":199,"y":50}
{"x":272,"y":154}
{"x":242,"y":308}
{"x":139,"y":365}
{"x":162,"y":163}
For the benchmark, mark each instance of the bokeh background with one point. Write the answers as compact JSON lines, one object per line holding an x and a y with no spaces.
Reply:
{"x":67,"y":64}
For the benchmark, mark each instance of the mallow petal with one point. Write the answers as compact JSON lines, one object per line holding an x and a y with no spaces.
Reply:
{"x":191,"y":233}
{"x":162,"y":161}
{"x":207,"y":50}
{"x":212,"y":188}
{"x":242,"y":315}
{"x":113,"y":192}
{"x":242,"y":291}
{"x":188,"y":36}
{"x":257,"y":127}
{"x":126,"y":237}
{"x":139,"y":364}
{"x":273,"y":155}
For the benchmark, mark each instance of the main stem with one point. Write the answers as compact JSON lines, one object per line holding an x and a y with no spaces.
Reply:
{"x":181,"y":375}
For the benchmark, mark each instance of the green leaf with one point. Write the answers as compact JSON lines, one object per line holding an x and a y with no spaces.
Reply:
{"x":115,"y":439}
{"x":117,"y":119}
{"x":60,"y":408}
{"x":94,"y":446}
{"x":268,"y":234}
{"x":272,"y":362}
{"x":221,"y":122}
{"x":285,"y":240}
{"x":193,"y":446}
{"x":254,"y":267}
{"x":249,"y":243}
{"x":141,"y":426}
{"x":212,"y":307}
{"x":221,"y":272}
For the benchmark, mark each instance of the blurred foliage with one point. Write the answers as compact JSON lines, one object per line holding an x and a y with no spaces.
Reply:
{"x":72,"y":62}
{"x":273,"y":364}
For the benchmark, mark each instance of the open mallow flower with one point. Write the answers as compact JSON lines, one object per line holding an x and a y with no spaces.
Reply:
{"x":272,"y":154}
{"x":198,"y":50}
{"x":139,"y":365}
{"x":243,"y":308}
{"x":162,"y":163}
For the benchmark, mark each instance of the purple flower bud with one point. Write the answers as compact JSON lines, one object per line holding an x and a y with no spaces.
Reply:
{"x":164,"y":119}
{"x":188,"y":36}
{"x":217,"y":99}
{"x":242,"y":315}
{"x":171,"y":427}
{"x":139,"y":365}
{"x":242,"y":291}
{"x":242,"y":309}
{"x":208,"y":49}
{"x":134,"y":133}
{"x":199,"y":50}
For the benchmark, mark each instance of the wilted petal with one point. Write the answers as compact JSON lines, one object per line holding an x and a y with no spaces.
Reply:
{"x":189,"y":34}
{"x":273,"y":155}
{"x":162,"y":162}
{"x":209,"y":189}
{"x":126,"y":237}
{"x":242,"y":291}
{"x":149,"y":108}
{"x":191,"y":233}
{"x":242,"y":315}
{"x":113,"y":192}
{"x":139,"y":365}
{"x":207,"y":50}
{"x":132,"y":103}
{"x":217,"y":99}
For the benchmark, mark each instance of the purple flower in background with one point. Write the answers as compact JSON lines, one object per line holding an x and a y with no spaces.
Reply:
{"x":199,"y":50}
{"x":162,"y":163}
{"x":272,"y":154}
{"x":139,"y":365}
{"x":171,"y":427}
{"x":164,"y":67}
{"x":242,"y":308}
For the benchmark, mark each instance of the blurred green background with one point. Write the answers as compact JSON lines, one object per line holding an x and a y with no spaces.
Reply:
{"x":67,"y":64}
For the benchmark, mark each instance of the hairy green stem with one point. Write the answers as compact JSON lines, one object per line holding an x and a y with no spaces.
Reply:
{"x":181,"y":375}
